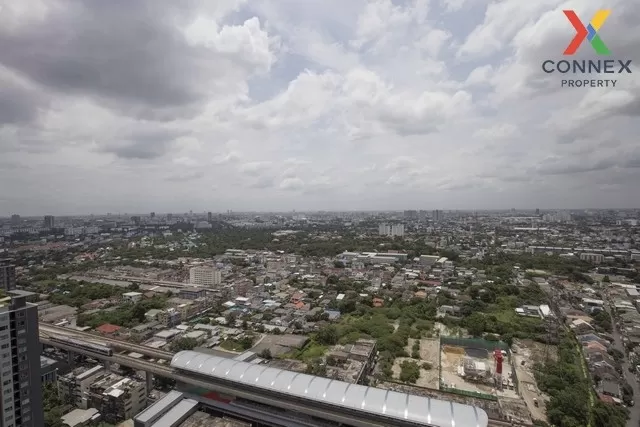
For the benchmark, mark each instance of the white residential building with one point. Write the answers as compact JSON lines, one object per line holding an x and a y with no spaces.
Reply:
{"x":397,"y":230}
{"x":205,"y":276}
{"x":132,"y":296}
{"x":392,"y":230}
{"x":593,"y":258}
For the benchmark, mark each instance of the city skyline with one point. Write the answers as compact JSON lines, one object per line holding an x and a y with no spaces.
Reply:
{"x":199,"y":213}
{"x":323,"y":106}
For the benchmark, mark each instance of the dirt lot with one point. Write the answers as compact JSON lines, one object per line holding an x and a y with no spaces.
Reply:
{"x":532,"y":352}
{"x":429,"y":352}
{"x":450,"y":361}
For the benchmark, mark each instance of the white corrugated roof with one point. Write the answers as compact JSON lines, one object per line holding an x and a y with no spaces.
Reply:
{"x":332,"y":392}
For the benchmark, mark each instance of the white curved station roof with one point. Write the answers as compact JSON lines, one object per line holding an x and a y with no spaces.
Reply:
{"x":417,"y":409}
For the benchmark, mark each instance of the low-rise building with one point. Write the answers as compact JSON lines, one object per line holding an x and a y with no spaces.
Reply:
{"x":170,"y":317}
{"x":73,"y":387}
{"x":117,"y":398}
{"x":192,"y":293}
{"x":48,"y":370}
{"x":81,"y":417}
{"x":132,"y":296}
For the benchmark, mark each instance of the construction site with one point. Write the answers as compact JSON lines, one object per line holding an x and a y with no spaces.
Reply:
{"x":480,"y":368}
{"x":476,"y":369}
{"x":479,"y":372}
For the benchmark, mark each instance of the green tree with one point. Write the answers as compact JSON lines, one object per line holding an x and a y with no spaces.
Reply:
{"x":605,"y":415}
{"x":409,"y":371}
{"x":52,"y":405}
{"x":476,"y":324}
{"x":327,"y":335}
{"x":231,"y":318}
{"x":183,"y":343}
{"x":266,"y":354}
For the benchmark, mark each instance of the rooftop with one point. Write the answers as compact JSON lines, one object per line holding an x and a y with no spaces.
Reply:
{"x":331,"y":392}
{"x":108,"y":328}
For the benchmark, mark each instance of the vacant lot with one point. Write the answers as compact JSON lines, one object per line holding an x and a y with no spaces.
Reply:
{"x":429,"y":353}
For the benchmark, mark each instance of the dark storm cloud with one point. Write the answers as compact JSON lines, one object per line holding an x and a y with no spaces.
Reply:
{"x":129,"y":54}
{"x":560,"y":168}
{"x":144,"y":145}
{"x":18,"y":104}
{"x":633,"y":160}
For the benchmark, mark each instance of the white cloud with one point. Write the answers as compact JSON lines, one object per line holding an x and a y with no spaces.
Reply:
{"x":292,"y":183}
{"x":315,"y":105}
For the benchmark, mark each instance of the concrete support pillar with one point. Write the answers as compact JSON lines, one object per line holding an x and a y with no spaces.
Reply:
{"x":71,"y":359}
{"x":149,"y":382}
{"x":107,"y":365}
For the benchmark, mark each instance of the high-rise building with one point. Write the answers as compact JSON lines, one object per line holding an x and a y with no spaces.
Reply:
{"x":384,"y":229}
{"x":15,"y":220}
{"x":7,"y":275}
{"x":397,"y":230}
{"x":209,"y":216}
{"x":393,"y":230}
{"x":21,"y":400}
{"x":49,"y":221}
{"x":411,"y":214}
{"x":152,"y":215}
{"x":205,"y":276}
{"x":437,"y":215}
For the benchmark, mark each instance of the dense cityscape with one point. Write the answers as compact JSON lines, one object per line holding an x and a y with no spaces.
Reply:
{"x":529,"y":316}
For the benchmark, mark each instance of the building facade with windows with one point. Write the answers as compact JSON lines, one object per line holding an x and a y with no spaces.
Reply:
{"x":205,"y":276}
{"x":7,"y":274}
{"x":21,"y":384}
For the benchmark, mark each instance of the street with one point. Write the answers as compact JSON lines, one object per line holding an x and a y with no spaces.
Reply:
{"x":634,"y":411}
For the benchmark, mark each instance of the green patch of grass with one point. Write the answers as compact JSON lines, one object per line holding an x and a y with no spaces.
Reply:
{"x":312,"y":350}
{"x":507,"y":316}
{"x":231,"y":345}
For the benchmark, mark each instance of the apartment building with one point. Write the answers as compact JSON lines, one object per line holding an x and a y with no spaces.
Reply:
{"x":591,"y":257}
{"x":205,"y":276}
{"x":393,"y":230}
{"x":117,"y":398}
{"x":49,"y":221}
{"x":169,"y":317}
{"x":21,"y":399}
{"x":73,"y":387}
{"x":7,"y":274}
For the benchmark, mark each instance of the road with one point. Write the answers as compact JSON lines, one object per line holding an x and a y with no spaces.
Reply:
{"x":634,"y":411}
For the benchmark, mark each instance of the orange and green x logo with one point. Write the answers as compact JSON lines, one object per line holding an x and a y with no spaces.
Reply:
{"x":590,"y":32}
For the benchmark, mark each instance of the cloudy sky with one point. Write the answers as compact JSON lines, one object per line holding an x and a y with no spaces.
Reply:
{"x":159,"y":105}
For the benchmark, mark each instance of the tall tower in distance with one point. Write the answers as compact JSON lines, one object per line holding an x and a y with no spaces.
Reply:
{"x":7,"y":274}
{"x":21,"y":384}
{"x":15,"y":220}
{"x":49,"y":221}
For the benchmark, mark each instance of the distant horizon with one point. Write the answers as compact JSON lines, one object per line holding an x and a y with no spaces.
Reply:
{"x":311,"y":211}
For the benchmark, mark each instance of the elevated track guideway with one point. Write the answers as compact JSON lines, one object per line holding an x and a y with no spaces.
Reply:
{"x":321,"y":398}
{"x":51,"y":330}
